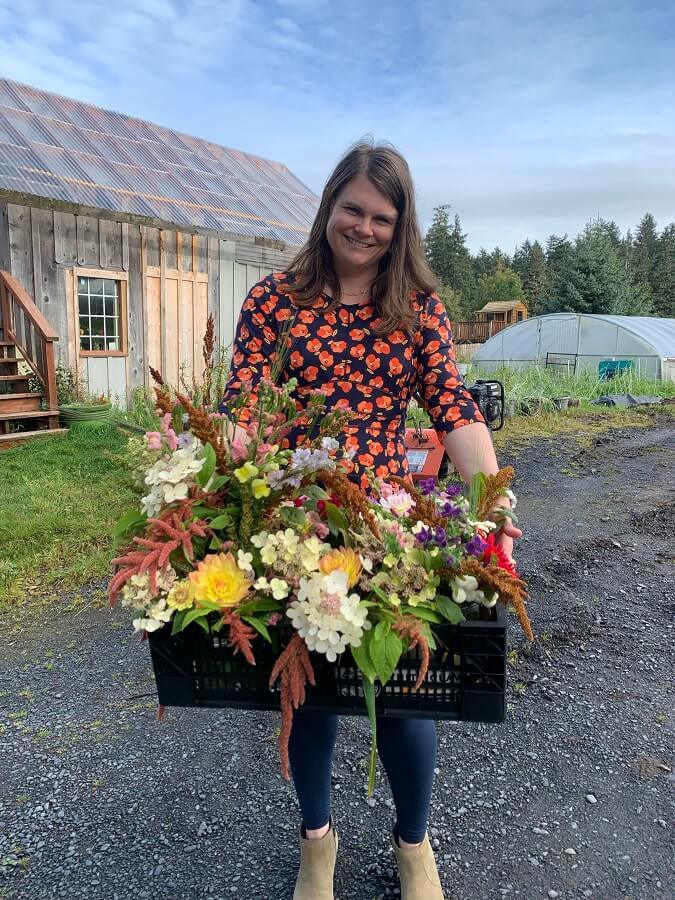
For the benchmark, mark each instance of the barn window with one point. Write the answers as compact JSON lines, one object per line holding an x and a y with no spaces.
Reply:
{"x":101,"y":306}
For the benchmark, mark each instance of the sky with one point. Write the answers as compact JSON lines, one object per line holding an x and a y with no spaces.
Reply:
{"x":527,"y":118}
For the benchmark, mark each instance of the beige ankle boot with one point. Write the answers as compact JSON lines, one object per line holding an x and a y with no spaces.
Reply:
{"x":417,"y":871}
{"x":317,"y":864}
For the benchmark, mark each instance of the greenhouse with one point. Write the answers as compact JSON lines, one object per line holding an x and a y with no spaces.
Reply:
{"x":575,"y":342}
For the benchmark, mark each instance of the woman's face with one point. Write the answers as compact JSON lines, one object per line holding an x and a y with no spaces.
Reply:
{"x":361,"y":227}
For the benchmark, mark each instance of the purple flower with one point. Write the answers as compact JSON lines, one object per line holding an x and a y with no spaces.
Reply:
{"x":476,"y":546}
{"x":423,"y":535}
{"x":427,"y":485}
{"x":452,"y":490}
{"x":440,"y":537}
{"x":450,"y":511}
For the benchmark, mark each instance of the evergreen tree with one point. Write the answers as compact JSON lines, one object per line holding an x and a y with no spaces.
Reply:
{"x":664,"y":274}
{"x":593,"y":279}
{"x":437,"y":244}
{"x":461,"y":272}
{"x":529,"y":262}
{"x":482,"y":264}
{"x":645,"y":253}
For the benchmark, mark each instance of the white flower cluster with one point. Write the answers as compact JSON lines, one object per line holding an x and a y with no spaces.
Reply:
{"x":465,"y":590}
{"x":171,"y":477}
{"x":328,"y":618}
{"x":138,"y":594}
{"x":285,"y":546}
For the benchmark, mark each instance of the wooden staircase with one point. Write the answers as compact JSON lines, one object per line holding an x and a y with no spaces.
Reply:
{"x":26,"y":343}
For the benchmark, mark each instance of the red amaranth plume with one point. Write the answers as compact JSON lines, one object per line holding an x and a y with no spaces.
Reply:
{"x":172,"y":529}
{"x":295,"y":669}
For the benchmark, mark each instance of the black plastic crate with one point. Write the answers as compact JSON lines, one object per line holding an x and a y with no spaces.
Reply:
{"x":466,"y":677}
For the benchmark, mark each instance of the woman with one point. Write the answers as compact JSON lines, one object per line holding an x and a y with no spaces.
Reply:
{"x":370,"y":332}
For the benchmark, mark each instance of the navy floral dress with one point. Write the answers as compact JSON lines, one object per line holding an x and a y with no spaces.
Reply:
{"x":373,"y":376}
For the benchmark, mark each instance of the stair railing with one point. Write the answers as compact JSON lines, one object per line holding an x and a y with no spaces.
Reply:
{"x":24,"y":325}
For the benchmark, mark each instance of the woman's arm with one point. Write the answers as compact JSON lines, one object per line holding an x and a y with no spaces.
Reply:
{"x":470,"y":450}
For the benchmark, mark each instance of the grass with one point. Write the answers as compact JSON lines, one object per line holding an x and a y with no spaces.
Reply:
{"x":540,"y":383}
{"x":60,"y":498}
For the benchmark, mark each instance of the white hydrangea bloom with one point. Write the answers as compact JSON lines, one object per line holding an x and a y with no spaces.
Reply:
{"x":327,"y":617}
{"x":279,"y":588}
{"x":245,"y":560}
{"x":171,"y":477}
{"x":465,"y":590}
{"x":137,"y":592}
{"x":156,"y":616}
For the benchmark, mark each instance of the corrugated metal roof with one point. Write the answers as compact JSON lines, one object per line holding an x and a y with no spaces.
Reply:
{"x":61,"y":149}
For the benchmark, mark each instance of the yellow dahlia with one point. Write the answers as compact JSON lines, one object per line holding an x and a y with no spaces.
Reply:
{"x":344,"y":559}
{"x":219,"y":579}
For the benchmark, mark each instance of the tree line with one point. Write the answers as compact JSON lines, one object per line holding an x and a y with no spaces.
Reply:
{"x":601,"y":271}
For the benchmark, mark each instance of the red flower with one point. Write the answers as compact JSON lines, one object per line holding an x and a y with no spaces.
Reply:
{"x":494,"y":553}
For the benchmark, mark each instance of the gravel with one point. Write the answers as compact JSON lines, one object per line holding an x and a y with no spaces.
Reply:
{"x":571,"y":798}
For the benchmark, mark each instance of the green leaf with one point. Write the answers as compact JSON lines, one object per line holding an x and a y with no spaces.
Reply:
{"x":203,"y":623}
{"x":262,"y":604}
{"x":362,"y":659}
{"x":192,"y":615}
{"x":219,"y":482}
{"x":293,"y":515}
{"x":259,"y":627}
{"x":221,"y":521}
{"x":422,"y":612}
{"x":385,"y":654}
{"x":477,"y":490}
{"x":178,"y":622}
{"x":382,"y":629}
{"x":337,"y":521}
{"x":207,"y":470}
{"x":129,"y":524}
{"x":449,"y":609}
{"x":369,"y":696}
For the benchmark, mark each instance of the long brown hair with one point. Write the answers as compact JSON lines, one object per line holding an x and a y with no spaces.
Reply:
{"x":401,"y":270}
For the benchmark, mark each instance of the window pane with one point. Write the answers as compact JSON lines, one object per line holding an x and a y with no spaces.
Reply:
{"x":112,"y":343}
{"x":97,"y":343}
{"x":97,"y":325}
{"x":96,"y":305}
{"x":84,"y":305}
{"x":95,"y":285}
{"x":110,"y":326}
{"x":85,"y":343}
{"x":110,"y":306}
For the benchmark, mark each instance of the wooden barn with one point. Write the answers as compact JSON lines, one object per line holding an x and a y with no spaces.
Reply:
{"x":118,"y":238}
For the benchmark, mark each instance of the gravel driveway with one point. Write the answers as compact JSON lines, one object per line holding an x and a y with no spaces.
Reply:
{"x":571,"y":798}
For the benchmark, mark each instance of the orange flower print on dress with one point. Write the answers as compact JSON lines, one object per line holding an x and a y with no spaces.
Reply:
{"x":371,"y":376}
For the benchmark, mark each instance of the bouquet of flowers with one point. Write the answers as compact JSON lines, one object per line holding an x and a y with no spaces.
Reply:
{"x":242,"y":537}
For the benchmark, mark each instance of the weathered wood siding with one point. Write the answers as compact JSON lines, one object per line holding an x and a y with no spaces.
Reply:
{"x":174,"y":281}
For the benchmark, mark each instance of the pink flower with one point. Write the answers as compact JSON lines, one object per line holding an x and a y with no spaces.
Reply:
{"x":263,"y":451}
{"x":274,"y":619}
{"x":239,"y":450}
{"x":169,"y":433}
{"x":154,"y":439}
{"x":320,"y":528}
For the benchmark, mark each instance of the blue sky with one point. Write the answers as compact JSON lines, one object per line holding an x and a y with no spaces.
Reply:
{"x":527,"y":117}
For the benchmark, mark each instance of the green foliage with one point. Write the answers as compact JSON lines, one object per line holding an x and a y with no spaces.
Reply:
{"x":60,"y":498}
{"x":593,"y":279}
{"x":503,"y":285}
{"x":529,"y":261}
{"x":448,"y":256}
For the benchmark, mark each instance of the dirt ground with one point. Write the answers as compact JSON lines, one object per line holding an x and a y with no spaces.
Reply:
{"x":572,"y":797}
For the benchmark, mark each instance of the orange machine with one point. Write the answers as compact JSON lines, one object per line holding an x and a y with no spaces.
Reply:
{"x":426,"y":454}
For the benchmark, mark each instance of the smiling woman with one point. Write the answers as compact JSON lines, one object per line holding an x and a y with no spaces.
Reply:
{"x":369,"y":333}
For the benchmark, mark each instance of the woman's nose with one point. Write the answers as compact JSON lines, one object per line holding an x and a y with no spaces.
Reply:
{"x":364,"y":227}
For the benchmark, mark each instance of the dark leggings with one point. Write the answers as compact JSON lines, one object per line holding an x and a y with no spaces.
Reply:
{"x":407,"y":749}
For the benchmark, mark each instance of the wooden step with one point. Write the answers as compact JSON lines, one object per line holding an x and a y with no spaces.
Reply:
{"x":19,"y":437}
{"x":13,"y":385}
{"x":33,"y":414}
{"x":14,"y":378}
{"x":20,"y":403}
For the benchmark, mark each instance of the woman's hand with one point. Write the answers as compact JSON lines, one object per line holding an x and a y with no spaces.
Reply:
{"x":508,"y":532}
{"x":506,"y":535}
